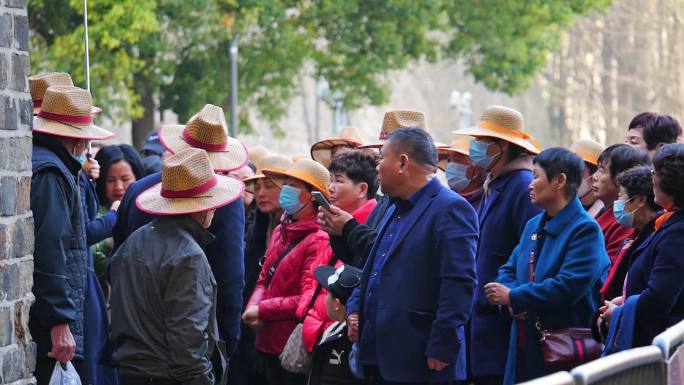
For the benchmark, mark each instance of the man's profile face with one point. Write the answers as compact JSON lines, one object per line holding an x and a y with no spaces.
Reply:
{"x":388,"y":168}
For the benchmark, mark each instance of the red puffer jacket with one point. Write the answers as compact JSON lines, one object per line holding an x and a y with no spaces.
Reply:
{"x":317,"y":319}
{"x":278,"y":302}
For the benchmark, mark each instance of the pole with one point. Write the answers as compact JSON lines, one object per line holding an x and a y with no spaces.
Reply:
{"x":85,"y":39}
{"x":233,"y":86}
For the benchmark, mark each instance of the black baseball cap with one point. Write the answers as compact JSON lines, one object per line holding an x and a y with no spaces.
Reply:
{"x":340,"y":282}
{"x":152,"y":143}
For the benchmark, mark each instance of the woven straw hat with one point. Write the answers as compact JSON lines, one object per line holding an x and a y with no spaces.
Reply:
{"x":38,"y":84}
{"x":305,"y":170}
{"x":271,"y":162}
{"x":348,"y":137}
{"x":394,"y":120}
{"x":208,"y":131}
{"x":256,"y":154}
{"x":189,"y":185}
{"x":67,"y":112}
{"x":588,"y":150}
{"x":460,"y":145}
{"x":503,"y":123}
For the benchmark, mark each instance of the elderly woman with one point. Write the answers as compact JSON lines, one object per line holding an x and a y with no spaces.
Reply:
{"x":296,"y":244}
{"x":657,"y":271}
{"x":553,"y":277}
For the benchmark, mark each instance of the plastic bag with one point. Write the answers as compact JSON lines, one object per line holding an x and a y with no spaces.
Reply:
{"x":67,"y":376}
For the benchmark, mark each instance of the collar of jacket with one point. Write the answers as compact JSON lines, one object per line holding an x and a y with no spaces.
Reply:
{"x":361,"y":214}
{"x":55,"y":145}
{"x":201,"y":235}
{"x":523,"y":162}
{"x":299,"y":229}
{"x":671,"y":218}
{"x":569,"y":212}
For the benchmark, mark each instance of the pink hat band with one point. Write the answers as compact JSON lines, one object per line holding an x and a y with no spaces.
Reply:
{"x":74,"y":119}
{"x":191,"y":192}
{"x":205,"y":146}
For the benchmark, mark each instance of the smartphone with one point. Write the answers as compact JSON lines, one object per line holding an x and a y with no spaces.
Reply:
{"x":320,"y":199}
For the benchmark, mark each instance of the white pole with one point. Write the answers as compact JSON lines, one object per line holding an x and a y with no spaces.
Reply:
{"x":85,"y":38}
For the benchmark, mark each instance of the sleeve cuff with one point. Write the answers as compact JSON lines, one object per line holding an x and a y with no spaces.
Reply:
{"x":348,"y":227}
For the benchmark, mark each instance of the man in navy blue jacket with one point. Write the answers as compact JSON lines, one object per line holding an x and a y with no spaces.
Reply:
{"x":226,"y":253}
{"x":410,"y":327}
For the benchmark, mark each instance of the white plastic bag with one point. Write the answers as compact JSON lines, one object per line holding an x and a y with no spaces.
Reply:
{"x":64,"y":377}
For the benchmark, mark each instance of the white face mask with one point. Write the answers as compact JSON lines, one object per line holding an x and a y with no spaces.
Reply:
{"x":585,"y":187}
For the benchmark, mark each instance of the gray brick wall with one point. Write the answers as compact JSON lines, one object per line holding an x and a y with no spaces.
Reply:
{"x":17,"y":352}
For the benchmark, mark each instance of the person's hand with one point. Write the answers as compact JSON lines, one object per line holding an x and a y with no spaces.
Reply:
{"x":91,"y":168}
{"x":115,"y":205}
{"x":619,"y":301}
{"x":353,"y":327}
{"x":251,"y":315}
{"x":332,"y":220}
{"x":497,"y":294}
{"x":607,"y":310}
{"x":257,"y":325}
{"x":63,"y":344}
{"x":435,"y":364}
{"x":520,"y":317}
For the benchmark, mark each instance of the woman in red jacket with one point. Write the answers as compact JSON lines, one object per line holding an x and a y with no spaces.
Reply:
{"x":296,"y":244}
{"x":352,"y":189}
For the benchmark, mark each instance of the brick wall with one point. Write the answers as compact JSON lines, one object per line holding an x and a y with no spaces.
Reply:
{"x":17,"y":352}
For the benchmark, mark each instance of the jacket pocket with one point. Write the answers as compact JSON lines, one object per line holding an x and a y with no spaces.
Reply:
{"x":421,"y":320}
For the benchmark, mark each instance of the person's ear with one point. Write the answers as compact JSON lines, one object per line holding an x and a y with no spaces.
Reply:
{"x":338,"y":304}
{"x":362,"y":190}
{"x":561,"y":180}
{"x":403,"y":162}
{"x":640,"y":201}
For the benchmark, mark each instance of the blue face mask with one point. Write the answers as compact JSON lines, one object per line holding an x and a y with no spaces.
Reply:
{"x":80,"y":159}
{"x":479,"y":156}
{"x":457,"y":176}
{"x":625,"y":218}
{"x":289,"y":199}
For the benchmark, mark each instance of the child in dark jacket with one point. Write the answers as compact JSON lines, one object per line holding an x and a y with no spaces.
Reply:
{"x":330,"y":364}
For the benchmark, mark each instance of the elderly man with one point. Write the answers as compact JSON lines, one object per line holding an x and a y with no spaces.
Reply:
{"x":62,"y":130}
{"x":410,"y":328}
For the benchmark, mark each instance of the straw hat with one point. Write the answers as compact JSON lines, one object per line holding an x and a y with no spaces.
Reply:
{"x":394,"y":120}
{"x":67,"y":112}
{"x":348,"y":137}
{"x":305,"y":170}
{"x":256,"y":154}
{"x":503,"y":123}
{"x":588,"y":150}
{"x":271,"y":162}
{"x":297,"y":157}
{"x":38,"y":84}
{"x":460,"y":145}
{"x":207,"y":130}
{"x":189,"y":185}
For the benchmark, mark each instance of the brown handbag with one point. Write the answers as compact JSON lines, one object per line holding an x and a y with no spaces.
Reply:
{"x":564,"y":349}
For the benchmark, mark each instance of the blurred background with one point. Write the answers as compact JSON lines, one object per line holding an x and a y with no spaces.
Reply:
{"x":304,"y":69}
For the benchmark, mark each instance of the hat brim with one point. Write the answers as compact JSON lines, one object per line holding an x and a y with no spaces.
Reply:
{"x":323,"y":273}
{"x":321,"y":151}
{"x":277,"y":174}
{"x":226,"y":191}
{"x":75,"y":131}
{"x":487,"y":133}
{"x":232,"y":158}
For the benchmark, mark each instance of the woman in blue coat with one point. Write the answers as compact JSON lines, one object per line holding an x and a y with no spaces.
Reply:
{"x":569,"y":261}
{"x":658,"y":267}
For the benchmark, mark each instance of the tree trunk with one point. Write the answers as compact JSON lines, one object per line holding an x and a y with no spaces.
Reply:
{"x":143,"y":125}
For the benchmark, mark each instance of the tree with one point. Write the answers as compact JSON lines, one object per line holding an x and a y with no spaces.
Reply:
{"x":173,"y":54}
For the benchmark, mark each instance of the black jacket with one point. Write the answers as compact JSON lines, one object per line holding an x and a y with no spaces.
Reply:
{"x":163,"y":303}
{"x":357,"y":239}
{"x":60,"y":254}
{"x":330,"y":365}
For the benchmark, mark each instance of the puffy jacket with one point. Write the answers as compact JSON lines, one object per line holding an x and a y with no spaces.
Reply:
{"x":317,"y":320}
{"x":279,"y":300}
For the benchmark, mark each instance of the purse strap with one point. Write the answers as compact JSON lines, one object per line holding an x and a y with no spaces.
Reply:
{"x":319,"y":287}
{"x":271,"y":270}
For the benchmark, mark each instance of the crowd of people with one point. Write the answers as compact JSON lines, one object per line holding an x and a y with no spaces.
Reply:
{"x":488,"y":260}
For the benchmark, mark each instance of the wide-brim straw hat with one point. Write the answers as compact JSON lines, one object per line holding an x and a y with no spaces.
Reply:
{"x":460,"y":145}
{"x":67,"y":112}
{"x":39,"y":83}
{"x":206,"y":130}
{"x":395,"y":120}
{"x":256,"y":154}
{"x":349,"y":137}
{"x":503,"y":123}
{"x":306,"y":171}
{"x":189,"y":185}
{"x":271,"y":162}
{"x":588,"y":150}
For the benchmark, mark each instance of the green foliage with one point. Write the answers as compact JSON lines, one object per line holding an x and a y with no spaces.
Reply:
{"x":181,"y":46}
